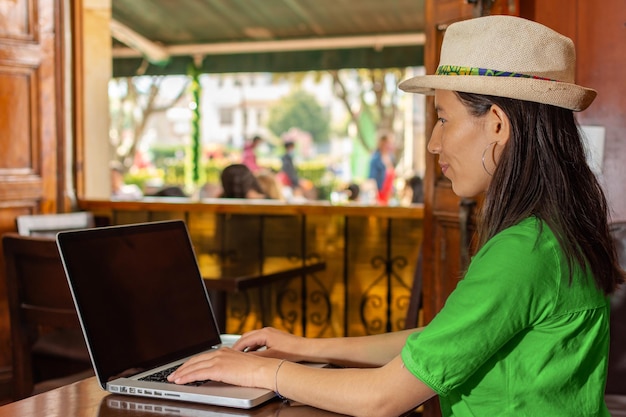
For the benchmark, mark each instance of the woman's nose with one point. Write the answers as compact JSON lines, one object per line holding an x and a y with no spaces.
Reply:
{"x":434,"y":144}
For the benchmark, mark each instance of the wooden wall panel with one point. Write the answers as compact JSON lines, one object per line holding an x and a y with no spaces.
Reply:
{"x":559,"y":15}
{"x":17,"y":20}
{"x":15,"y":89}
{"x":601,"y":41}
{"x":599,"y":32}
{"x":29,"y":80}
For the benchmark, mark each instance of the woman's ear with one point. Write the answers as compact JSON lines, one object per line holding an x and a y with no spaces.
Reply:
{"x":499,"y":125}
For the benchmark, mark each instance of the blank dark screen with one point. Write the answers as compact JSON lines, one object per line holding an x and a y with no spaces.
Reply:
{"x":140,"y":295}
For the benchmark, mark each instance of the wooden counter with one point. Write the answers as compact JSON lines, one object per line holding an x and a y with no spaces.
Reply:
{"x":370,"y":254}
{"x":251,"y":207}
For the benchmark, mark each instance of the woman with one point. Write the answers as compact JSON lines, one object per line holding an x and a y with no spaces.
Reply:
{"x":525,"y":332}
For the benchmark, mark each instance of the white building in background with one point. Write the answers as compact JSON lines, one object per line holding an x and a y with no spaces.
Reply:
{"x":236,"y":106}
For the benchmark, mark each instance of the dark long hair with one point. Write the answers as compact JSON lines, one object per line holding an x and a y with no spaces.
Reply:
{"x":543,"y":172}
{"x":237,"y":180}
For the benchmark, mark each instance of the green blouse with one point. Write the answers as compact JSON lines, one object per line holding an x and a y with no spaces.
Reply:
{"x":515,"y":338}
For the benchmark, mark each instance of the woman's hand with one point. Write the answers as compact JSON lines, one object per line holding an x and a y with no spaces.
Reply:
{"x":272,"y":343}
{"x":229,"y":366}
{"x":245,"y":364}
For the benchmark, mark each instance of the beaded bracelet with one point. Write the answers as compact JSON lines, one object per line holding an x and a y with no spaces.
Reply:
{"x":276,"y":380}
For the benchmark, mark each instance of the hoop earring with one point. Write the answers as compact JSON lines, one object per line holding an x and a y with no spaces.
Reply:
{"x":492,"y":157}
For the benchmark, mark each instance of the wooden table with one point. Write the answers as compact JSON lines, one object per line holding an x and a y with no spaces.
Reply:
{"x":220,"y":279}
{"x":86,"y":399}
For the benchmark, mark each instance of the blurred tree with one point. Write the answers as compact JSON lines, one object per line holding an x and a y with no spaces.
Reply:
{"x":136,"y":99}
{"x":300,"y":110}
{"x":373,"y":88}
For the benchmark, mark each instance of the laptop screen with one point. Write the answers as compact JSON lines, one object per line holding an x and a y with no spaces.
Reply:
{"x":139,"y":294}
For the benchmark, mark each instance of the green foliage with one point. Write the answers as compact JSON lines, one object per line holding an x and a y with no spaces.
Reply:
{"x":213,"y":170}
{"x":172,"y":171}
{"x":163,"y":154}
{"x":140,"y":177}
{"x":312,"y":170}
{"x":300,"y":110}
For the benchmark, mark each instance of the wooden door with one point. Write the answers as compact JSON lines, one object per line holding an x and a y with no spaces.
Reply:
{"x":31,"y":153}
{"x":448,"y":219}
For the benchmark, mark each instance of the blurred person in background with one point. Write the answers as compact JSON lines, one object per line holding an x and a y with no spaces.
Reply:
{"x":413,"y":192}
{"x":270,"y":186}
{"x":382,"y":168}
{"x":249,"y":154}
{"x":239,"y":182}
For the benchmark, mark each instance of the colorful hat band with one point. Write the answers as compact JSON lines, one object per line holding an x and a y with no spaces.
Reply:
{"x":458,"y":70}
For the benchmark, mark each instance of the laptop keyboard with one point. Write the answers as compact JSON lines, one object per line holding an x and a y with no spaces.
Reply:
{"x":161,"y":376}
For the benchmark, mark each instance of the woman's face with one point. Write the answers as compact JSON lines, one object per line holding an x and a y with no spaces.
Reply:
{"x":461,"y":139}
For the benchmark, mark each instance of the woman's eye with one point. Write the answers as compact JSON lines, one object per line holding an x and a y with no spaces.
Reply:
{"x":441,"y":120}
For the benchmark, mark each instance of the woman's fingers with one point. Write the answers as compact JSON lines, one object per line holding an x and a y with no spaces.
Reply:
{"x":225,"y":365}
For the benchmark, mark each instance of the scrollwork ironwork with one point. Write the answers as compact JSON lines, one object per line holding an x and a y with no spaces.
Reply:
{"x":240,"y":311}
{"x":376,"y":302}
{"x":319,"y":298}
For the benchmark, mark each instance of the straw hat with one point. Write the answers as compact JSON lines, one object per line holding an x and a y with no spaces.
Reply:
{"x":506,"y":56}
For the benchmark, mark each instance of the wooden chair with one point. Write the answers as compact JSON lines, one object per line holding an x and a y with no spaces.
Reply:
{"x":616,"y":381}
{"x":49,"y":224}
{"x":47,"y":344}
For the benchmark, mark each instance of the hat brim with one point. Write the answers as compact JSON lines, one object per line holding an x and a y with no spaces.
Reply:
{"x":556,"y":93}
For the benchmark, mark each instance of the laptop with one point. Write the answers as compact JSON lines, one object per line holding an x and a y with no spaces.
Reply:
{"x":144,"y":309}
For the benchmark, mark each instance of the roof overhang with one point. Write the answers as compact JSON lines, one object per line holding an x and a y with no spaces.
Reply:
{"x":262,"y":37}
{"x":278,"y":56}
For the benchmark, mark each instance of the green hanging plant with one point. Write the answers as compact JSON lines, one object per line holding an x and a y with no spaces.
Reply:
{"x":196,"y":143}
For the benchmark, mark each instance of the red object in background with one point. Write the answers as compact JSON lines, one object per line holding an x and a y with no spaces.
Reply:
{"x":384,"y":194}
{"x":283,"y":179}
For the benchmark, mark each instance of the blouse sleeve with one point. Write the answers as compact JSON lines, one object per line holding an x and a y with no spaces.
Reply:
{"x":508,"y":286}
